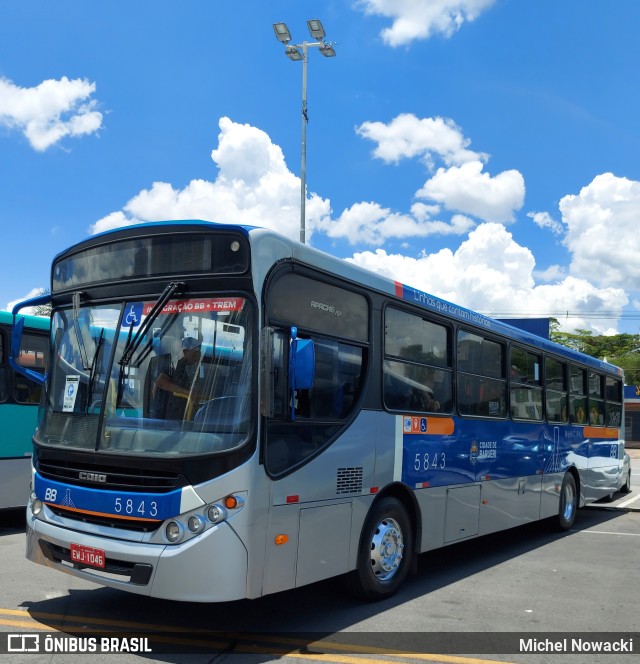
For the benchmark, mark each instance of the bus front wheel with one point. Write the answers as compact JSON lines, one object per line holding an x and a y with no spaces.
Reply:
{"x":386,"y":547}
{"x":568,"y":502}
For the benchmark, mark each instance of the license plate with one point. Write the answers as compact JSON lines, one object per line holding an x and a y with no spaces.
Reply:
{"x":87,"y":555}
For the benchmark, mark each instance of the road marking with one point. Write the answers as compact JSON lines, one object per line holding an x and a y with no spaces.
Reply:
{"x":628,"y":502}
{"x":438,"y":659}
{"x":604,"y":532}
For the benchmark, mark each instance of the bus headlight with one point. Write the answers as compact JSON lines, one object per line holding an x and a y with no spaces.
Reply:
{"x":173,"y":532}
{"x":195,"y":523}
{"x":216,"y":513}
{"x":182,"y":528}
{"x":36,"y":506}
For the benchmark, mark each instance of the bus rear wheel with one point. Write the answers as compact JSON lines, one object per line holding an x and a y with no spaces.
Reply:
{"x":386,"y":548}
{"x":568,"y":503}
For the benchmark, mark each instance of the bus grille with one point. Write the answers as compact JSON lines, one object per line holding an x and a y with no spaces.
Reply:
{"x":113,"y":478}
{"x":106,"y":520}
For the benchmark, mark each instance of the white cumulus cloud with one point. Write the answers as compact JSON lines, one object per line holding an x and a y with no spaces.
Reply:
{"x":421,"y":19}
{"x":408,"y":136}
{"x":470,"y":190}
{"x":461,"y":185}
{"x":492,"y":273}
{"x":602,"y":230}
{"x":50,"y":111}
{"x":371,"y":223}
{"x":545,"y":220}
{"x":254,"y":187}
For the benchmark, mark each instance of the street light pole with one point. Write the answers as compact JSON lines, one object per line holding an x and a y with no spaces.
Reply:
{"x":293,"y":53}
{"x":303,"y":157}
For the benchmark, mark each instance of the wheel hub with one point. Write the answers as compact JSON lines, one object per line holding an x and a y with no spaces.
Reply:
{"x":386,"y":549}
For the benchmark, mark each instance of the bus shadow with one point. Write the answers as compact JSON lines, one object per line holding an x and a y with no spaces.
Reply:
{"x":267,"y":628}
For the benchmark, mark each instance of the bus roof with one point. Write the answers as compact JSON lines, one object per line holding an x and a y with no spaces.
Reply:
{"x":33,"y":322}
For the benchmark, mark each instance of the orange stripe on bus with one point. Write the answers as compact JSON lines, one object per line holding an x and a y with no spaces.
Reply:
{"x":440,"y":425}
{"x":601,"y":432}
{"x":112,"y":516}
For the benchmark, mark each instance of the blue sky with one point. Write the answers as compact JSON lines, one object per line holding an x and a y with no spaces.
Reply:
{"x":482,"y":150}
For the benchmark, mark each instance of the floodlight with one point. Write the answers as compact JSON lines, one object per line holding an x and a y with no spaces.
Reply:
{"x":328,"y":51}
{"x":316,"y":29}
{"x":299,"y":52}
{"x":282,"y":32}
{"x":293,"y":53}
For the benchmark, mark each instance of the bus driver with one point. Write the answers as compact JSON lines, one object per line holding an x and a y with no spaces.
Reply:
{"x":183,"y":382}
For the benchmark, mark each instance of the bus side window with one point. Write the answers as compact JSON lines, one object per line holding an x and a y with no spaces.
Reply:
{"x":613,"y":394}
{"x":33,"y":354}
{"x":482,"y":385}
{"x":578,"y":397}
{"x":417,"y":363}
{"x":337,"y":381}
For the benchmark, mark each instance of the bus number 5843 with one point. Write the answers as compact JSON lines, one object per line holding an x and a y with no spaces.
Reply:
{"x":424,"y":462}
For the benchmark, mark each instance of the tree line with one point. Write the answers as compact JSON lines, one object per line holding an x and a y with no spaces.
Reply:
{"x":622,"y":350}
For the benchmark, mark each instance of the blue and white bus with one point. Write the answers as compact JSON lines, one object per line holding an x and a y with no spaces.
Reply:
{"x":228,"y":413}
{"x":19,"y":399}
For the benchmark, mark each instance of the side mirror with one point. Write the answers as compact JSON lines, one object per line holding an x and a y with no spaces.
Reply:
{"x":16,"y":338}
{"x":302,"y":366}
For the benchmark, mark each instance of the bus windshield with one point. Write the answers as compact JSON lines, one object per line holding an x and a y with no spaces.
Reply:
{"x":178,"y":385}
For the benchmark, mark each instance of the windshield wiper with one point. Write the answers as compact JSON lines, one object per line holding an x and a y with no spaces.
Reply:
{"x":134,"y":341}
{"x":148,"y":347}
{"x":84,"y":357}
{"x":94,"y":369}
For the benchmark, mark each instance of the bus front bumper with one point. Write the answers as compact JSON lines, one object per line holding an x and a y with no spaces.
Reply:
{"x":208,"y":568}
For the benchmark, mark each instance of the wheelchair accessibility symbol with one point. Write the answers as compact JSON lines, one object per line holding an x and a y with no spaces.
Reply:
{"x":133,"y":314}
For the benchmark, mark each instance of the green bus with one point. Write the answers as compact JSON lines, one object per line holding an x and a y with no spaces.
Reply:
{"x":19,"y":399}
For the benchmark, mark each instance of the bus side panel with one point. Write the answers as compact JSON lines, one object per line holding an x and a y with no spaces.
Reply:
{"x":320,"y":508}
{"x":550,"y":494}
{"x":281,"y":558}
{"x":510,"y":502}
{"x":602,"y":474}
{"x":15,"y":475}
{"x":317,"y":526}
{"x":17,"y":423}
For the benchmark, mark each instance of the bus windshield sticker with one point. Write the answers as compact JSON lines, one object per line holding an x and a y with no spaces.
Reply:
{"x":199,"y":305}
{"x":70,"y":393}
{"x":133,"y":315}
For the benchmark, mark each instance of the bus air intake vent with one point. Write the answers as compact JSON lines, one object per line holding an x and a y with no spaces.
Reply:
{"x":349,"y":480}
{"x":115,"y":478}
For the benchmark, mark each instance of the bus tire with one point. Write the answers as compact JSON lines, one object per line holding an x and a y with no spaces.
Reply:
{"x":386,"y":548}
{"x":568,"y":503}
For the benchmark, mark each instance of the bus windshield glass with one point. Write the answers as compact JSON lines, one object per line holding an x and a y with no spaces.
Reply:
{"x":183,"y":390}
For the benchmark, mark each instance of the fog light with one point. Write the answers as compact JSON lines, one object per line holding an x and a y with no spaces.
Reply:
{"x":173,"y":531}
{"x":36,"y":507}
{"x":195,"y":523}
